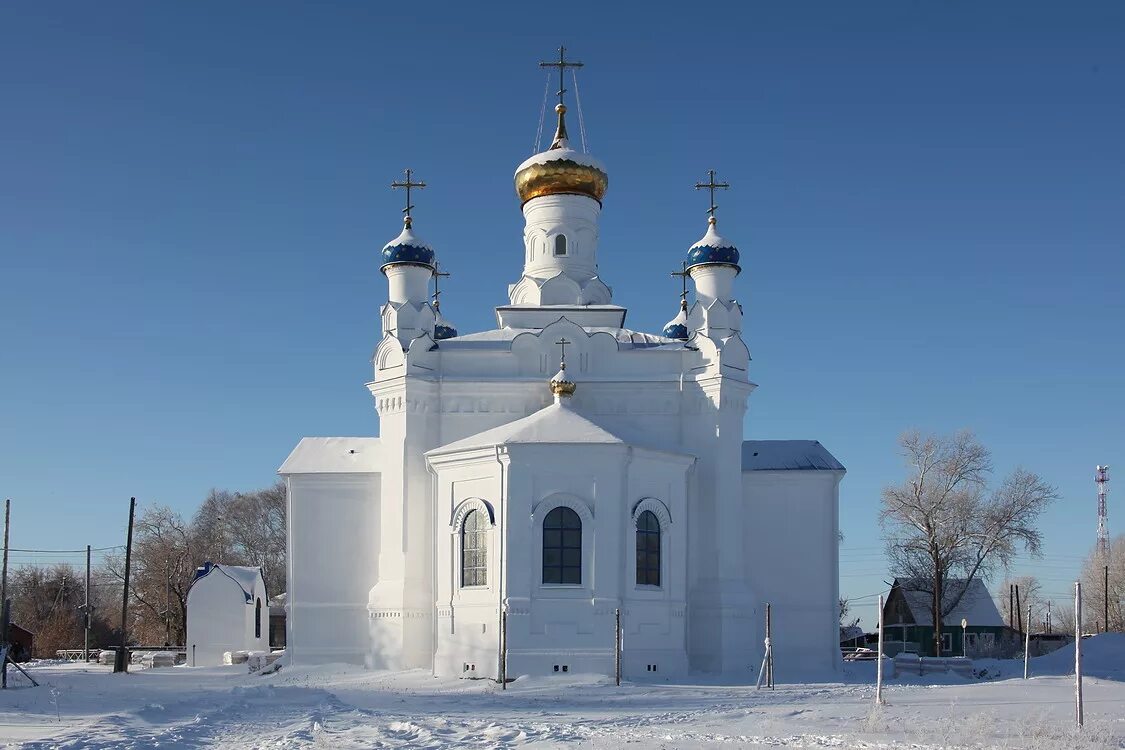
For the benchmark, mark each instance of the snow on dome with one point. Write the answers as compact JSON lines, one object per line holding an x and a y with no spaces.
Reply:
{"x":408,"y":248}
{"x":560,"y":170}
{"x":443,"y":329}
{"x":713,"y":248}
{"x":676,"y":328}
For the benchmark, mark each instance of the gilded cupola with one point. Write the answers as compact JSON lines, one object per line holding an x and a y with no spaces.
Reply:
{"x":561,"y":170}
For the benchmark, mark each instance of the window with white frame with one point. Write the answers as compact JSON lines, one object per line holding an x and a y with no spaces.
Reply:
{"x":648,"y":549}
{"x":562,"y":547}
{"x":474,"y":549}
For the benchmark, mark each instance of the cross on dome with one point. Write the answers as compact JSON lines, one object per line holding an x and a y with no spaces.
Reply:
{"x":712,"y":186}
{"x":438,"y":274}
{"x":408,"y":184}
{"x":407,"y":247}
{"x":562,"y":64}
{"x":684,"y":275}
{"x":560,"y":385}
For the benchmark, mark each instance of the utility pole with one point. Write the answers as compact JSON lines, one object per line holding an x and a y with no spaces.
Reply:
{"x":879,"y":664}
{"x":1011,"y":607}
{"x":167,"y":605}
{"x":1078,"y":652}
{"x":86,"y":611}
{"x":4,"y":575}
{"x":1048,"y":617}
{"x":1019,"y":613}
{"x":121,"y":663}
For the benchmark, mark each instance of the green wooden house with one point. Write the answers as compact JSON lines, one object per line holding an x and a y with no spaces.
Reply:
{"x":908,"y":624}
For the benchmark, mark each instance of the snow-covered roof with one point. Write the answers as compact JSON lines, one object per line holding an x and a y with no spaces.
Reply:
{"x":976,"y":606}
{"x":787,"y":455}
{"x":340,"y":455}
{"x":555,"y":423}
{"x":501,"y":338}
{"x":244,"y":575}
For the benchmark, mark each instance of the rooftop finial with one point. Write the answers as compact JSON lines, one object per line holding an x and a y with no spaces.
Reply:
{"x":712,"y":186}
{"x":408,"y":184}
{"x":560,"y":140}
{"x":560,"y":385}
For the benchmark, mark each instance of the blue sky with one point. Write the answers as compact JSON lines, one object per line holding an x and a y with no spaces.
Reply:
{"x":928,"y":198}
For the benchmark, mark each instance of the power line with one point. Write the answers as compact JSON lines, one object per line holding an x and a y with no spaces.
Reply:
{"x":67,"y":551}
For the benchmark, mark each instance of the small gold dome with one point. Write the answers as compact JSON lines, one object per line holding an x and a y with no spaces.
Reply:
{"x":561,"y":170}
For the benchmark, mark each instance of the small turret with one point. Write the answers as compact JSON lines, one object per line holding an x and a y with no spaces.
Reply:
{"x":408,"y":263}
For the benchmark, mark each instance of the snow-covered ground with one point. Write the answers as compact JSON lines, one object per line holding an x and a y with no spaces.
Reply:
{"x":84,"y":706}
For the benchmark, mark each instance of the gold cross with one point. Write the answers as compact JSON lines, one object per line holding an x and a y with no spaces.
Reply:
{"x":712,"y":186}
{"x":562,"y":65}
{"x":408,"y":184}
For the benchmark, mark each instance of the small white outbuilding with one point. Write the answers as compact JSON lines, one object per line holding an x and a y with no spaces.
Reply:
{"x":227,"y":610}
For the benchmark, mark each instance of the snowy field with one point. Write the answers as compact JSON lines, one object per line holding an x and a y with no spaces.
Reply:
{"x":84,"y":706}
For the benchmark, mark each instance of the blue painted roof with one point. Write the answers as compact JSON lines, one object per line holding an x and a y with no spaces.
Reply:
{"x":787,"y":455}
{"x":713,"y":249}
{"x":407,"y":248}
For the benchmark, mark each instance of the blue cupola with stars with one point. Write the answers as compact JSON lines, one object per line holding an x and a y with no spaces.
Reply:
{"x":713,"y":249}
{"x":676,"y":328}
{"x":407,"y":248}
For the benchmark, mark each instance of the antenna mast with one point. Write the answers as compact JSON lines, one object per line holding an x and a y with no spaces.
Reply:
{"x":1101,"y":479}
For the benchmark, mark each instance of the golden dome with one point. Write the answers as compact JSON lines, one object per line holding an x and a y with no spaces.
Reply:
{"x":561,"y":170}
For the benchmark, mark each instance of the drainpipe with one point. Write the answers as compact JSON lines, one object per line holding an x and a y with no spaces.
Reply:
{"x":501,"y":574}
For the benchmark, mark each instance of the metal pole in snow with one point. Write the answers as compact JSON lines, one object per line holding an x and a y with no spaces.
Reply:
{"x":617,"y":647}
{"x":86,"y":611}
{"x":1027,"y":642}
{"x":1105,"y":617}
{"x":769,"y":649}
{"x":879,"y":665}
{"x":503,"y":649}
{"x":1078,"y":652}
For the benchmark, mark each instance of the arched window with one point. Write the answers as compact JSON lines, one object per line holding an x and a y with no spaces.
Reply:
{"x":474,"y":549}
{"x":648,"y":549}
{"x":562,"y":547}
{"x":258,"y":619}
{"x":560,"y":244}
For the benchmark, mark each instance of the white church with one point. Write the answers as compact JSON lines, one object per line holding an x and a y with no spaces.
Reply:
{"x":511,"y":505}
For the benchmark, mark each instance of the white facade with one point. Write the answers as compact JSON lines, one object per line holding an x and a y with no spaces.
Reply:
{"x":227,"y":610}
{"x":485,"y":494}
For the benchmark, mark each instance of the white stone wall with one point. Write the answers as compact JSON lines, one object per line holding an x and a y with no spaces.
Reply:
{"x":219,"y":619}
{"x":793,"y":556}
{"x":335,"y":527}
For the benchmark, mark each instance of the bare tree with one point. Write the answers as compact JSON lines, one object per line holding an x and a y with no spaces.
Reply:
{"x":1031,"y":594}
{"x":234,"y":528}
{"x":165,"y":555}
{"x":45,"y":600}
{"x":942,"y":526}
{"x":1094,"y":588}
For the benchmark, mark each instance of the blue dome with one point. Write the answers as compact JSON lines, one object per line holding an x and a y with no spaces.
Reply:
{"x":444,"y":331}
{"x":713,"y":249}
{"x":676,"y":331}
{"x":407,"y":248}
{"x":676,"y":328}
